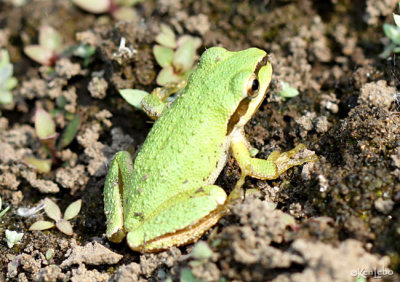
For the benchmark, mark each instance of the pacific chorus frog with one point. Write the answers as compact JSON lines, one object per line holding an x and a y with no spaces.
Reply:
{"x":167,"y":197}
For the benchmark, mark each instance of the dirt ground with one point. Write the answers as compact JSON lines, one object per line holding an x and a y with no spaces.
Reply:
{"x":335,"y":220}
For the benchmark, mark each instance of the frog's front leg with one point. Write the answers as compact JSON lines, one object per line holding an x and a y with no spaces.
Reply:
{"x":155,"y":103}
{"x":271,"y":168}
{"x":118,"y":178}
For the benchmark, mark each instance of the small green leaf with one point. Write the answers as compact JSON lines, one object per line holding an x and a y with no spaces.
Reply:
{"x":49,"y":38}
{"x":201,"y":251}
{"x":4,"y":58}
{"x":64,"y":226}
{"x":43,"y":166}
{"x":393,"y":32}
{"x":49,"y":254}
{"x":4,"y":211}
{"x":288,"y":91}
{"x":167,"y":76}
{"x":253,"y":152}
{"x":7,"y":81}
{"x":73,"y":210}
{"x":396,"y":19}
{"x":41,"y":225}
{"x":185,"y":55}
{"x":166,"y":37}
{"x":195,"y":41}
{"x":187,"y":275}
{"x":133,"y":96}
{"x":128,"y":14}
{"x":388,"y":50}
{"x":163,"y":55}
{"x":5,"y":74}
{"x":40,"y":54}
{"x":94,"y":6}
{"x":12,"y":237}
{"x":11,"y":83}
{"x":5,"y":97}
{"x":69,"y":132}
{"x":51,"y":209}
{"x":44,"y":124}
{"x":85,"y":52}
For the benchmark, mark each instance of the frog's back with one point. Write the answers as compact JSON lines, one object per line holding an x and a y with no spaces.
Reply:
{"x":179,"y":154}
{"x":184,"y":147}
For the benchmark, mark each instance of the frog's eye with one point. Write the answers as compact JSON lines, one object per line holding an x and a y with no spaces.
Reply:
{"x":253,"y":86}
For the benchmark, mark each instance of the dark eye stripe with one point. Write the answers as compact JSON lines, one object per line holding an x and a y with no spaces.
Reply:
{"x":240,"y":111}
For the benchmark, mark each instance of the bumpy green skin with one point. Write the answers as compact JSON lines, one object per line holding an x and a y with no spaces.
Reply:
{"x":183,"y":148}
{"x":168,"y":191}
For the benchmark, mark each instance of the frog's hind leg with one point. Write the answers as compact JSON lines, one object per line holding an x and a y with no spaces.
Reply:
{"x":120,"y":169}
{"x":180,"y":220}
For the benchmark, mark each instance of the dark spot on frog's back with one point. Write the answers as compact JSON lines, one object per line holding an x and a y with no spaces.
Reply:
{"x":199,"y":190}
{"x":145,"y":177}
{"x":139,"y":214}
{"x":185,"y":182}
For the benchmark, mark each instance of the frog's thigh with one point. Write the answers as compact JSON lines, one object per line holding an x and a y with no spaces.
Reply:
{"x":276,"y":164}
{"x":180,"y":220}
{"x":121,"y":165}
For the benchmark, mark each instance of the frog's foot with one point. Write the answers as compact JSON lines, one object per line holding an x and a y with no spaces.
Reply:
{"x":297,"y":156}
{"x":271,"y":168}
{"x":155,"y":103}
{"x":179,"y":221}
{"x":120,"y":170}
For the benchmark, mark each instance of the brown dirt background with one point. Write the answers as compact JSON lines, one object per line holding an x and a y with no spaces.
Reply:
{"x":323,"y":222}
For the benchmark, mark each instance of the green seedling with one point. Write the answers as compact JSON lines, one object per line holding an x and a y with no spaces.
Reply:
{"x":3,"y":212}
{"x":201,"y":251}
{"x":53,"y":211}
{"x":187,"y":275}
{"x":19,"y":3}
{"x":45,"y":129}
{"x":13,"y":237}
{"x":49,"y":48}
{"x":119,"y":9}
{"x":176,"y":57}
{"x":288,"y":91}
{"x":7,"y":81}
{"x":49,"y":254}
{"x":393,"y":33}
{"x":85,"y":52}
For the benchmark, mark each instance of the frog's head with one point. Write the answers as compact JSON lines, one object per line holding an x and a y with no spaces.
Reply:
{"x":242,"y":81}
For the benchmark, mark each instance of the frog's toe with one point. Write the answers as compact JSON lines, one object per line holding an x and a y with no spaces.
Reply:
{"x":135,"y":240}
{"x":116,"y":236}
